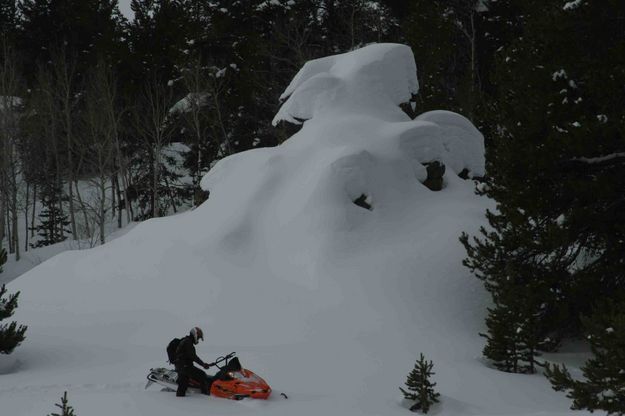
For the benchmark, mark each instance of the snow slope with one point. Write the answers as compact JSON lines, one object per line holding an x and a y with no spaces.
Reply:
{"x":330,"y":302}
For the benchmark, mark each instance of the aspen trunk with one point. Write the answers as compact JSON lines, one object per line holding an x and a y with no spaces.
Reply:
{"x":84,"y":210}
{"x":32,"y":221}
{"x":26,"y":205}
{"x":102,"y":214}
{"x":119,"y":199}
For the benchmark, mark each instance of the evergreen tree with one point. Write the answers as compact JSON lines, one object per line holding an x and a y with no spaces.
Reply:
{"x":603,"y":387}
{"x":234,"y":49}
{"x":349,"y":24}
{"x":158,"y":37}
{"x":524,"y":290}
{"x":503,"y":22}
{"x":12,"y":334}
{"x":419,"y":386}
{"x":446,"y":37}
{"x":86,"y":29}
{"x":66,"y":409}
{"x":53,"y":221}
{"x":501,"y":345}
{"x":8,"y":17}
{"x":556,"y":169}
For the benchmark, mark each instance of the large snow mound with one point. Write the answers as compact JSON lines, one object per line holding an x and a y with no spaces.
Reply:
{"x":362,"y":81}
{"x":329,"y":301}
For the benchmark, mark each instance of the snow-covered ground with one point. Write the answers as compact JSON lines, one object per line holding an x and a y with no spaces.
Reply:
{"x":35,"y":256}
{"x":330,"y":302}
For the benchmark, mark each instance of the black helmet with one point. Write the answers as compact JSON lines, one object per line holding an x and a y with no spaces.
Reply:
{"x":197,"y":334}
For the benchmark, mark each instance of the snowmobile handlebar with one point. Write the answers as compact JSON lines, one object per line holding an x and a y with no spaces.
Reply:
{"x":222,"y":359}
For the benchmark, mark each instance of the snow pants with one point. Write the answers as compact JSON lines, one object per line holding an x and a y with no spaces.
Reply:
{"x":185,"y":374}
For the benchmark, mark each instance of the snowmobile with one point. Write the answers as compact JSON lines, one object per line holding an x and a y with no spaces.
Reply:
{"x":231,"y":381}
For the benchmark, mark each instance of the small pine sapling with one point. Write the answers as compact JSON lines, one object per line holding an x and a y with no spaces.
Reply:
{"x":66,"y":409}
{"x":11,"y":335}
{"x":421,"y":389}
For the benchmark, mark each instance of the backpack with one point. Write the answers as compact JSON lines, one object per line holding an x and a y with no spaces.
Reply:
{"x":171,"y":350}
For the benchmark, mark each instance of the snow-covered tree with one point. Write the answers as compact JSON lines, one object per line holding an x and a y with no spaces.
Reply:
{"x":419,"y":386}
{"x":12,"y":334}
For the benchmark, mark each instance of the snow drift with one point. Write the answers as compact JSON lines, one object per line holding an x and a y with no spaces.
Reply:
{"x":329,"y":301}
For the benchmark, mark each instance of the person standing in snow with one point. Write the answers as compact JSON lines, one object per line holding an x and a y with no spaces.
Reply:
{"x":185,"y":357}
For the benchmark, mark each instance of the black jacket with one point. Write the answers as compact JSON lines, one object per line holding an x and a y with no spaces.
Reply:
{"x":185,"y":353}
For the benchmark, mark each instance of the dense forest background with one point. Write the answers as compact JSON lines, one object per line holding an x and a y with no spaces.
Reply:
{"x":140,"y":110}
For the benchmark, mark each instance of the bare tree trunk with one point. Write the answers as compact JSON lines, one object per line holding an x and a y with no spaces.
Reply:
{"x":8,"y":89}
{"x":14,"y":185}
{"x":71,"y":176}
{"x":351,"y":24}
{"x":119,"y":199}
{"x":65,"y":72}
{"x":470,"y":35}
{"x":100,"y":119}
{"x":9,"y":232}
{"x":473,"y":67}
{"x":84,"y":210}
{"x":197,"y":82}
{"x":156,"y":171}
{"x":102,"y":212}
{"x":14,"y":223}
{"x":2,"y":205}
{"x":26,"y":205}
{"x":171,"y":197}
{"x":57,"y":222}
{"x":221,"y":124}
{"x":124,"y":174}
{"x":3,"y":186}
{"x":9,"y":170}
{"x":156,"y":129}
{"x":123,"y":171}
{"x":32,"y":222}
{"x":154,"y":183}
{"x":113,"y":197}
{"x":127,"y":202}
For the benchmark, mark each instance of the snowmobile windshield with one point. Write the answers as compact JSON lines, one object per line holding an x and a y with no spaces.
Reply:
{"x":232,"y":367}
